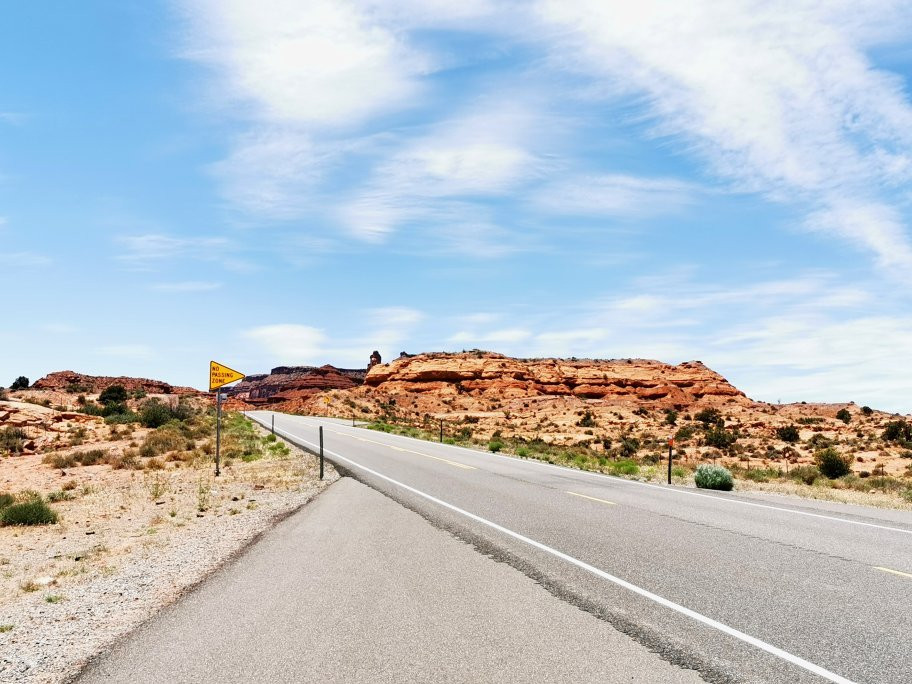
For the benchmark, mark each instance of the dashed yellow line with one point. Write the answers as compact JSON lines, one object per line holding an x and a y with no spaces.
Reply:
{"x":584,"y":496}
{"x":893,"y":572}
{"x":408,"y":451}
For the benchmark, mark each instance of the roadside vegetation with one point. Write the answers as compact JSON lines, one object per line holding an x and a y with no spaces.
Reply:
{"x":703,"y":440}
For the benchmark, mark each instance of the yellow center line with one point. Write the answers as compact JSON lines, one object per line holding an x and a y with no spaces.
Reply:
{"x":893,"y":572}
{"x":408,"y":451}
{"x":610,"y":503}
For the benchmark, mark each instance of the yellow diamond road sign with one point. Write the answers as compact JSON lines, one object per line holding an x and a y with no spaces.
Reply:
{"x":220,"y":375}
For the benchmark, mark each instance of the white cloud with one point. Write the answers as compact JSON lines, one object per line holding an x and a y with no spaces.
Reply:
{"x":23,"y":259}
{"x":186,"y":286}
{"x":614,"y":195}
{"x":155,"y":246}
{"x":503,"y":336}
{"x":779,"y":97}
{"x":291,"y":343}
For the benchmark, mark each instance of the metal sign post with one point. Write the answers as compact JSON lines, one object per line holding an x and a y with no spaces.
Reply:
{"x":218,"y":429}
{"x":219,"y":376}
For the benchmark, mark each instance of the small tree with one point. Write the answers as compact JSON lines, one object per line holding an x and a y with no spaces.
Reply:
{"x":113,"y":394}
{"x":154,"y":413}
{"x":671,"y":417}
{"x":789,"y":434}
{"x":710,"y":416}
{"x":844,"y":416}
{"x":867,"y":410}
{"x":832,"y":464}
{"x":19,"y":383}
{"x":720,"y":438}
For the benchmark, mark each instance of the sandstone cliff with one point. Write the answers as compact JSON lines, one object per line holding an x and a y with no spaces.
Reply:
{"x":70,"y":381}
{"x":489,"y":375}
{"x":285,"y":383}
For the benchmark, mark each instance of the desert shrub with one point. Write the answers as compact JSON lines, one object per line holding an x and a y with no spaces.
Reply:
{"x":624,"y":466}
{"x":832,"y":464}
{"x":867,"y":410}
{"x":761,"y":474}
{"x":678,"y":471}
{"x":30,"y":509}
{"x":20,"y":383}
{"x":161,"y":441}
{"x":713,"y":477}
{"x":719,"y":437}
{"x":844,"y":416}
{"x":820,"y":441}
{"x":12,"y":440}
{"x":59,"y":460}
{"x":587,"y":420}
{"x":495,"y":445}
{"x":671,"y":417}
{"x":684,"y":433}
{"x":898,"y":431}
{"x":6,"y":500}
{"x":789,"y":434}
{"x":629,"y":446}
{"x":61,"y":495}
{"x":810,"y":420}
{"x":270,"y":438}
{"x":710,"y":416}
{"x":114,"y":394}
{"x":154,"y":413}
{"x":92,"y":456}
{"x":122,"y":418}
{"x":807,"y":474}
{"x":522,"y":452}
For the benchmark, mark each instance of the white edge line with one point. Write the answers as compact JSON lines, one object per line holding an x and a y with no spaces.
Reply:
{"x":661,"y":488}
{"x":731,"y":631}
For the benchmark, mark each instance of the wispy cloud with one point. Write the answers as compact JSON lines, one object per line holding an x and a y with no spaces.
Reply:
{"x":157,"y":246}
{"x":609,"y":195}
{"x":778,"y":97}
{"x":291,"y":343}
{"x":24,"y":259}
{"x":186,"y":286}
{"x":135,"y":352}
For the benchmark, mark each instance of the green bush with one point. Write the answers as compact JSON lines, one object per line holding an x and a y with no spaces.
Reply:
{"x":807,"y":474}
{"x":671,"y":417}
{"x":495,"y":445}
{"x":6,"y":500}
{"x":154,"y":413}
{"x":867,"y":410}
{"x":898,"y":431}
{"x":832,"y":464}
{"x":719,"y":437}
{"x":115,"y":394}
{"x":710,"y":416}
{"x":31,"y":509}
{"x":713,"y":477}
{"x":789,"y":434}
{"x":20,"y":383}
{"x":163,"y":440}
{"x":844,"y":416}
{"x":629,"y":446}
{"x":624,"y":466}
{"x":122,"y":418}
{"x":684,"y":433}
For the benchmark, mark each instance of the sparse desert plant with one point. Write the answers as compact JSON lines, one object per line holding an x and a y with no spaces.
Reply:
{"x":6,"y":500}
{"x":30,"y":509}
{"x":61,"y":495}
{"x":844,"y":415}
{"x":713,"y":477}
{"x":719,"y":437}
{"x":161,"y":441}
{"x":832,"y":464}
{"x":202,"y":495}
{"x":867,"y":410}
{"x":898,"y":431}
{"x":495,"y":445}
{"x":60,"y":461}
{"x":114,"y":394}
{"x":6,"y":628}
{"x":788,"y":433}
{"x":12,"y":440}
{"x":92,"y":456}
{"x":587,"y":420}
{"x":154,"y":413}
{"x":710,"y":416}
{"x":807,"y":474}
{"x":522,"y":452}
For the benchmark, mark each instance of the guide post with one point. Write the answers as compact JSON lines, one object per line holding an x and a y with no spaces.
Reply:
{"x":219,"y":376}
{"x":671,"y":443}
{"x":321,"y":452}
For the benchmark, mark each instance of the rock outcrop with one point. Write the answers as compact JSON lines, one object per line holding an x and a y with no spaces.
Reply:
{"x":489,"y":375}
{"x":70,"y":381}
{"x":293,"y":382}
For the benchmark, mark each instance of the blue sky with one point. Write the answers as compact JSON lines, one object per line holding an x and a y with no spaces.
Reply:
{"x":278,"y":182}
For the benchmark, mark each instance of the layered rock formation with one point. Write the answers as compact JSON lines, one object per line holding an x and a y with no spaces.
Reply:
{"x":293,"y":382}
{"x":70,"y":381}
{"x":489,"y":375}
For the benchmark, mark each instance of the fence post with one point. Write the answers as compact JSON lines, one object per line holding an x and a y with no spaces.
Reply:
{"x":441,"y":430}
{"x":321,"y":452}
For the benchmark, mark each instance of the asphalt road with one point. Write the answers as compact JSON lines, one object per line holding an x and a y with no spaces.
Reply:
{"x":737,"y":587}
{"x":356,"y":588}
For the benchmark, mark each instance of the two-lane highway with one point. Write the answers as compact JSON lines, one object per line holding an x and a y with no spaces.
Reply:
{"x":739,"y":588}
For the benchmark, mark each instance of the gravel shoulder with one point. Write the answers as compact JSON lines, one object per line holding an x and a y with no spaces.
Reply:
{"x":129,"y":544}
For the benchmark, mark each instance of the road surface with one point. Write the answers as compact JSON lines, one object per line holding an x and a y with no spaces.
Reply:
{"x":736,"y":587}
